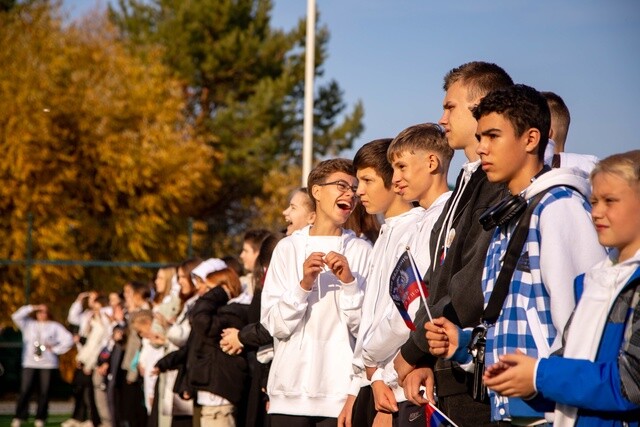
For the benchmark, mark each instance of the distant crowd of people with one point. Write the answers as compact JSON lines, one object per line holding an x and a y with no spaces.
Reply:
{"x":529,"y":313}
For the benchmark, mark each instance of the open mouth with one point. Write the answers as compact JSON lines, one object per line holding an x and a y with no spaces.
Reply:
{"x":345,"y":206}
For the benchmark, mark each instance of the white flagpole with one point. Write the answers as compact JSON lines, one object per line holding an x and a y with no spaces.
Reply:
{"x":309,"y":73}
{"x":417,"y":274}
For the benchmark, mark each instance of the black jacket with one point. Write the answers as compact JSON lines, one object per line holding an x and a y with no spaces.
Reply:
{"x":455,"y":287}
{"x":254,"y":335}
{"x":205,"y":367}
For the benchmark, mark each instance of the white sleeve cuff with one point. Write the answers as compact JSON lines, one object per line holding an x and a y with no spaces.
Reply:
{"x":378,"y":375}
{"x":350,"y":288}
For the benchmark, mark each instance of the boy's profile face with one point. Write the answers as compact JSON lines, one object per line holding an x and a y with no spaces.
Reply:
{"x":502,"y":152}
{"x":457,"y":119}
{"x":615,"y":207}
{"x":331,"y":201}
{"x":375,"y":198}
{"x":248,"y":256}
{"x":411,"y":175}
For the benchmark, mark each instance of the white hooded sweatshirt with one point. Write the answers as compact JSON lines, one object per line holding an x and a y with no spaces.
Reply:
{"x":314,"y":331}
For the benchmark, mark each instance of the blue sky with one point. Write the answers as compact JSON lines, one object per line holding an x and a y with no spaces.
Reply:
{"x":393,"y":54}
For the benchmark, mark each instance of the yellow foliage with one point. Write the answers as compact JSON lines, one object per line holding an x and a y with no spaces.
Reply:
{"x":96,"y":147}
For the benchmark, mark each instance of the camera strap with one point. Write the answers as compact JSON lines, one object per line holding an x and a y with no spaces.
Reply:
{"x":514,"y":249}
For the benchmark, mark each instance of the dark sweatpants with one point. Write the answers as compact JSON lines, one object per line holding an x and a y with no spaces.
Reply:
{"x":28,"y":380}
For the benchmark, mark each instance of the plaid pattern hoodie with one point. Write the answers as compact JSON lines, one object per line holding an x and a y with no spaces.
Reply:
{"x":561,"y":243}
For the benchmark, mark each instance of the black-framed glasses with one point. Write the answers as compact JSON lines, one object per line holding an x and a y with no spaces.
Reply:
{"x":343,"y":186}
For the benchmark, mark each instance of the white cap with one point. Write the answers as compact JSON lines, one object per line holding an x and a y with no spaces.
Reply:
{"x":207,"y":267}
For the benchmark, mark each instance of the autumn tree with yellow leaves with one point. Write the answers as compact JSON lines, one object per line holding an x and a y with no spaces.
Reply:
{"x":96,"y":148}
{"x":117,"y":129}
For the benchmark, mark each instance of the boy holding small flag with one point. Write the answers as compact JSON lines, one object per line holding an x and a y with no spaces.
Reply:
{"x":420,"y":158}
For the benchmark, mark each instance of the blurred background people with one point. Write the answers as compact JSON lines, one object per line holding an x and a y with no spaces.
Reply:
{"x":43,"y":340}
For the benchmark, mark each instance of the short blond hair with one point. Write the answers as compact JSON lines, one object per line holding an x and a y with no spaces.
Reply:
{"x":624,"y":165}
{"x":428,"y":137}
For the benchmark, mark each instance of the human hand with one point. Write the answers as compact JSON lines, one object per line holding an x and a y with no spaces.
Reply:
{"x":230,"y":342}
{"x":514,"y":377}
{"x":402,"y":368}
{"x":344,"y":419}
{"x":157,"y":338}
{"x":382,"y":419}
{"x":442,"y":337}
{"x":313,"y":265}
{"x":82,"y":295}
{"x":495,"y":369}
{"x":417,"y":378}
{"x":339,"y":265}
{"x":383,"y":397}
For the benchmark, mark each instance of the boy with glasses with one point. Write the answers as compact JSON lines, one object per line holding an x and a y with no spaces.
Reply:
{"x":311,"y":303}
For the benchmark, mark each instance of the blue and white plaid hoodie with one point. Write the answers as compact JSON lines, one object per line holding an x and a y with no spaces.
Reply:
{"x":561,"y":244}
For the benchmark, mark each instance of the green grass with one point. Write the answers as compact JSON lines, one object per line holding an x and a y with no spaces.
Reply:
{"x":54,"y":420}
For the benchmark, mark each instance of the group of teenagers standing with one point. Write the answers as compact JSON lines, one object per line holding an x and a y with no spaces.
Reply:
{"x":558,"y":344}
{"x":531,"y":265}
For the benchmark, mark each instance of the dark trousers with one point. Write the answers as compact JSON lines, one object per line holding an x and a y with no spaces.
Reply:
{"x":364,"y":411}
{"x":84,"y":400}
{"x":464,"y":411}
{"x":27,"y":383}
{"x":281,"y":420}
{"x":134,"y":412}
{"x":364,"y":408}
{"x":409,"y":415}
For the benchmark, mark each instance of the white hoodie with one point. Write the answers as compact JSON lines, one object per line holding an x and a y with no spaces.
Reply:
{"x":52,"y":334}
{"x":388,"y":330}
{"x":314,"y":332}
{"x":558,"y":265}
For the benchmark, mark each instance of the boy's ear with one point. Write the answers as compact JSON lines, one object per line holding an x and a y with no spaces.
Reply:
{"x":433,"y":162}
{"x":533,"y":140}
{"x":315,"y":190}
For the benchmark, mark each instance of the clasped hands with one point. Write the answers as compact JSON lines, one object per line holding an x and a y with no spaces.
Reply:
{"x":317,"y":262}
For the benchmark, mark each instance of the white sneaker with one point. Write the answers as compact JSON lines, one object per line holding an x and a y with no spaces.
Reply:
{"x":38,"y":423}
{"x":87,"y":423}
{"x":16,"y":422}
{"x":71,"y":422}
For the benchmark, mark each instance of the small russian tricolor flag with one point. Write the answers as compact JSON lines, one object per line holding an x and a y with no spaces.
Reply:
{"x":435,"y":417}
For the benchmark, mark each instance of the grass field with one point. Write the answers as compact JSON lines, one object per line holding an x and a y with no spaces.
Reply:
{"x":54,"y":420}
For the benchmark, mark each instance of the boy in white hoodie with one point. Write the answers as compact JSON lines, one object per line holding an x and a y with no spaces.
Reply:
{"x":378,"y":196}
{"x":311,"y":303}
{"x":418,"y":159}
{"x":513,"y":129}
